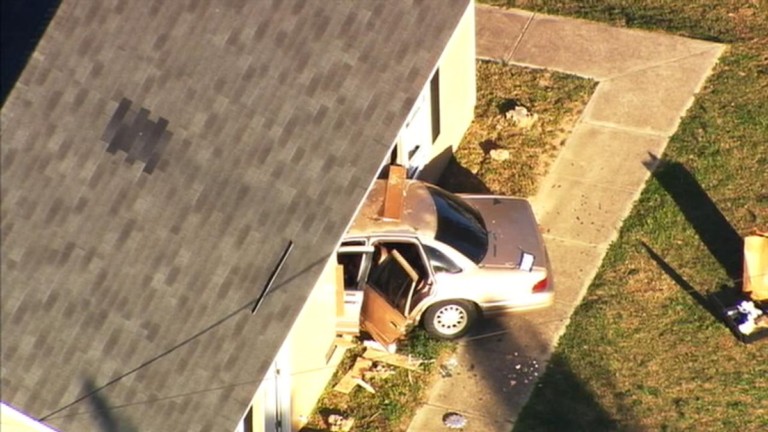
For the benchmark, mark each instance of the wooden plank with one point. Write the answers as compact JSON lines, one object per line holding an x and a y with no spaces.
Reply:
{"x":394,"y":193}
{"x":398,"y":360}
{"x":350,"y":379}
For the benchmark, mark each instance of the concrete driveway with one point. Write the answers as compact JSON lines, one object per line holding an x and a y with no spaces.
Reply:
{"x":647,"y":81}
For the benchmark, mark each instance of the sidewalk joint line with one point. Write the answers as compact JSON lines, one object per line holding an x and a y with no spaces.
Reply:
{"x":665,"y":62}
{"x":520,"y":38}
{"x":597,"y":184}
{"x":574,"y":241}
{"x":622,"y":128}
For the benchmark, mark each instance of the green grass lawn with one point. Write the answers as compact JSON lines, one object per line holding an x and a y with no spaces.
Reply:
{"x":642,"y":351}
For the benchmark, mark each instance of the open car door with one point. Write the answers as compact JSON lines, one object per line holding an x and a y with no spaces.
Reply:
{"x":387,"y":300}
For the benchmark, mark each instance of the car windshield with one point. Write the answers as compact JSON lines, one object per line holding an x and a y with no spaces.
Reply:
{"x":459,"y":225}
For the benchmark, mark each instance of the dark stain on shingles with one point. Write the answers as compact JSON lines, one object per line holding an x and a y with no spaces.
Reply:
{"x":118,"y":201}
{"x":242,"y":236}
{"x":320,"y":114}
{"x":120,"y":8}
{"x":96,"y":70}
{"x":173,"y":274}
{"x":85,"y":45}
{"x":192,"y":6}
{"x":280,"y":37}
{"x":233,"y":39}
{"x":54,"y":100}
{"x":93,"y":10}
{"x":64,"y":147}
{"x":86,"y":260}
{"x":69,"y":310}
{"x":148,"y":83}
{"x":8,"y":158}
{"x":80,"y":98}
{"x":321,"y":26}
{"x":136,"y":135}
{"x":298,"y":155}
{"x":80,"y":205}
{"x":160,"y":41}
{"x":289,"y":129}
{"x":42,"y":76}
{"x":98,"y":281}
{"x":66,"y":253}
{"x":152,"y":329}
{"x":125,"y":233}
{"x":51,"y":299}
{"x":219,"y":84}
{"x":371,"y":107}
{"x":154,"y":8}
{"x":109,"y":345}
{"x":54,"y":210}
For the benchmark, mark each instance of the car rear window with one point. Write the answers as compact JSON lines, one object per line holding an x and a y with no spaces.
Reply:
{"x":459,"y":225}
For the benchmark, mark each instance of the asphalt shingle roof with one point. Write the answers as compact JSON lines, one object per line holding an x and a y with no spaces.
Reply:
{"x":156,"y":159}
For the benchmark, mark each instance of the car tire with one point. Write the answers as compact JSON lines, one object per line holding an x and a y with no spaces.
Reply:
{"x":449,"y":319}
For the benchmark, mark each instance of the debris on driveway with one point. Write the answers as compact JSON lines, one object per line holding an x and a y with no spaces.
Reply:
{"x":454,"y":420}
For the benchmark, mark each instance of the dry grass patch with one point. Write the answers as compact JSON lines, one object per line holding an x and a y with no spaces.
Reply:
{"x":556,"y":99}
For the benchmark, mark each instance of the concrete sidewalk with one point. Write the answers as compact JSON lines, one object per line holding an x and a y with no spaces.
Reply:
{"x":647,"y":81}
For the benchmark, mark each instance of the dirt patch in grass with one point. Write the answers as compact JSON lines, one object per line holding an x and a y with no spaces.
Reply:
{"x":555,"y":99}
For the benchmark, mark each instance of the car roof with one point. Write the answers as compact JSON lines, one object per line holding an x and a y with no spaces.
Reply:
{"x":419,"y":216}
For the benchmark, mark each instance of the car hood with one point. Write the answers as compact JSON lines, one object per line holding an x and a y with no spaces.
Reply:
{"x":512,"y":230}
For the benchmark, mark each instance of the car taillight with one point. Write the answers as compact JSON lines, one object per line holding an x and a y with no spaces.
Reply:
{"x":540,"y":285}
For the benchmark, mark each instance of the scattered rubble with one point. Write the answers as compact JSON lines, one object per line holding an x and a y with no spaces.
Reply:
{"x":446,"y":369}
{"x":374,"y":364}
{"x":521,"y":117}
{"x":499,"y":154}
{"x":338,"y":423}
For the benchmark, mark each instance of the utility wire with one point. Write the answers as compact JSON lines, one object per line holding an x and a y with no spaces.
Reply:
{"x":221,"y":321}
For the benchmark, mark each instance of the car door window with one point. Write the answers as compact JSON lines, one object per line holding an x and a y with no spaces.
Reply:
{"x":440,"y":261}
{"x":390,"y":278}
{"x":352,"y":263}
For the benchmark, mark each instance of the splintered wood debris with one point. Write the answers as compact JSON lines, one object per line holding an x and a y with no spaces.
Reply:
{"x":369,"y":365}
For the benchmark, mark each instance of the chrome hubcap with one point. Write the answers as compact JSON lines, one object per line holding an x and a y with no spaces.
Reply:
{"x":450,"y":319}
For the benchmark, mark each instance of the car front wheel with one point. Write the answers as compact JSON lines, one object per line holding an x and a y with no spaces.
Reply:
{"x":449,"y":319}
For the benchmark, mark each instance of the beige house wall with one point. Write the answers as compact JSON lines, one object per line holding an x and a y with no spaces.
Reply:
{"x":310,"y":346}
{"x":458,"y":94}
{"x":314,"y":355}
{"x":12,"y":420}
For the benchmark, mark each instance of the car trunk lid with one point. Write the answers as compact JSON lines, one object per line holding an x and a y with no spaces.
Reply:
{"x":512,"y":230}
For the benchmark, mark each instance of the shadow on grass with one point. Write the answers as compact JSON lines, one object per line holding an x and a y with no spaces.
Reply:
{"x":508,"y":357}
{"x":457,"y":179}
{"x":564,"y":403}
{"x":713,"y":229}
{"x":23,"y":24}
{"x":680,"y":281}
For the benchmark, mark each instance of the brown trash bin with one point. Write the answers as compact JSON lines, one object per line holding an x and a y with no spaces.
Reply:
{"x":755,"y":283}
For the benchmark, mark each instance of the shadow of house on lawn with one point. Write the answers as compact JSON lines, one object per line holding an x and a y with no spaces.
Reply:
{"x":457,"y":179}
{"x":507,"y":355}
{"x":713,"y":229}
